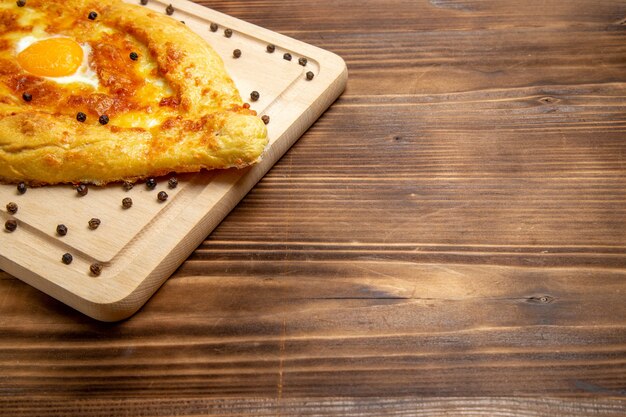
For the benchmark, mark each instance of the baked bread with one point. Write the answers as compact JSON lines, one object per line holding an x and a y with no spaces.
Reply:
{"x":102,"y":91}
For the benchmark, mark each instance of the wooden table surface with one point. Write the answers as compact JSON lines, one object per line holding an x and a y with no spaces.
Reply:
{"x":448,"y":239}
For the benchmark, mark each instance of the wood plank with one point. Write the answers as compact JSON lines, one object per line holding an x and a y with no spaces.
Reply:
{"x":380,"y":329}
{"x":430,"y":407}
{"x":508,"y":168}
{"x":400,"y":16}
{"x":440,"y":46}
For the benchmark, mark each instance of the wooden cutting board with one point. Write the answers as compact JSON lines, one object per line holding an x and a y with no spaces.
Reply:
{"x":141,"y":247}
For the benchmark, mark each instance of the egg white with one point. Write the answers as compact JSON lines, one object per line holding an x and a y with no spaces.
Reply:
{"x":84,"y":74}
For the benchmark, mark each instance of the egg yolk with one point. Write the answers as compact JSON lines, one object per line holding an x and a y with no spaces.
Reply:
{"x":54,"y":57}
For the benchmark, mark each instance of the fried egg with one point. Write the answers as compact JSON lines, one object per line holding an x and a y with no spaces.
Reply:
{"x":56,"y":58}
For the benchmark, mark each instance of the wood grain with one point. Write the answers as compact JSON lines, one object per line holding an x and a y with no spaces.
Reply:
{"x":456,"y":406}
{"x":448,"y":239}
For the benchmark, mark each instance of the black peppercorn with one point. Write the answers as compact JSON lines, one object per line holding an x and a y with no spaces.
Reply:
{"x":270,"y":48}
{"x":67,"y":258}
{"x":303,"y":62}
{"x":151,"y":183}
{"x":254,"y":96}
{"x":169,"y":10}
{"x":162,"y":196}
{"x":12,"y":208}
{"x":127,"y":202}
{"x":81,"y":117}
{"x":143,"y":2}
{"x":128,"y":185}
{"x":27,"y":97}
{"x":94,"y":223}
{"x":173,"y":182}
{"x":228,"y":33}
{"x":134,"y":56}
{"x":21,"y":3}
{"x":61,"y":230}
{"x":104,"y":119}
{"x":287,"y":56}
{"x":213,"y":27}
{"x":310,"y":75}
{"x":82,"y":190}
{"x":237,"y":53}
{"x":21,"y":188}
{"x":92,"y":15}
{"x":266,"y":119}
{"x":10,"y":225}
{"x":96,"y":268}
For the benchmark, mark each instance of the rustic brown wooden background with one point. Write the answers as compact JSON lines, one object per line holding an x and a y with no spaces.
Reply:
{"x":450,"y":237}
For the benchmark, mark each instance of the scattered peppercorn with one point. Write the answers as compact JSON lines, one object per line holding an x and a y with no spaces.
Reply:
{"x":21,"y":3}
{"x":21,"y":188}
{"x":266,"y":119}
{"x":303,"y":62}
{"x":10,"y":225}
{"x":228,"y":33}
{"x":27,"y":97}
{"x":270,"y":48}
{"x":237,"y":53}
{"x":162,"y":196}
{"x":213,"y":27}
{"x":134,"y":56}
{"x":287,"y":56}
{"x":94,"y":223}
{"x":128,"y":185}
{"x":82,"y":190}
{"x":169,"y":10}
{"x":81,"y":117}
{"x":104,"y":119}
{"x":92,"y":15}
{"x":127,"y":202}
{"x":61,"y":230}
{"x":254,"y":96}
{"x":151,"y":183}
{"x":173,"y":182}
{"x":144,"y":2}
{"x":310,"y":75}
{"x":67,"y":258}
{"x":96,"y":268}
{"x":12,"y":208}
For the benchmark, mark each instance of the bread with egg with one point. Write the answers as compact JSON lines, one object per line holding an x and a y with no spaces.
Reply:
{"x":101,"y":91}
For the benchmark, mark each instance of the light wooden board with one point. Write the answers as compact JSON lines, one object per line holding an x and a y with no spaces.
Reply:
{"x":140,"y":247}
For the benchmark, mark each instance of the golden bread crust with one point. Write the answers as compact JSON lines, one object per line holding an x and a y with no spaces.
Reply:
{"x":197,"y":118}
